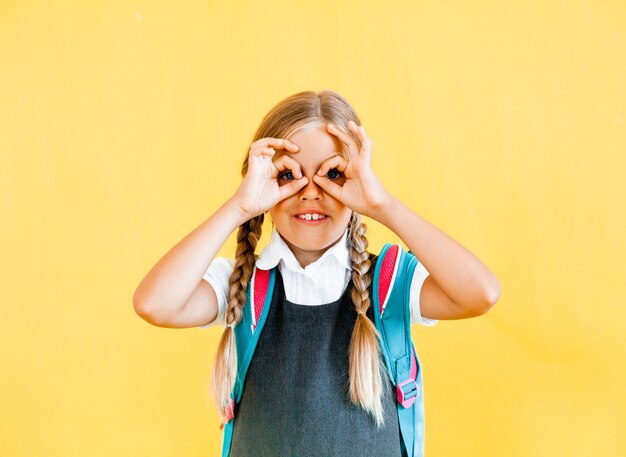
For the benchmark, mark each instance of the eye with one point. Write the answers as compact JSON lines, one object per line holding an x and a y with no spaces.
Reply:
{"x":286,"y":175}
{"x":334,"y":173}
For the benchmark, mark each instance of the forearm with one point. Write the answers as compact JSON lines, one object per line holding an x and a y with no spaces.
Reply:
{"x":169,"y":284}
{"x":459,"y":273}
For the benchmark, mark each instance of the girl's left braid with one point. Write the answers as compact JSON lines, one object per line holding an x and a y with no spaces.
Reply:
{"x":365,"y":365}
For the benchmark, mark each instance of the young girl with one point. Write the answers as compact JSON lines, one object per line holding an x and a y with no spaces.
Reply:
{"x":315,"y":385}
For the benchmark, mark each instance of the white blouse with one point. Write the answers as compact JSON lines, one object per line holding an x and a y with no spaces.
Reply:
{"x":320,"y":282}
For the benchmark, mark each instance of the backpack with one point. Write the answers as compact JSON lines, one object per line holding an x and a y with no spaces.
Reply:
{"x":393,"y":272}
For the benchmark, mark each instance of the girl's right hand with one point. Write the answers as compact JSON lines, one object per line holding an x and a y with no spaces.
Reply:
{"x":259,"y":190}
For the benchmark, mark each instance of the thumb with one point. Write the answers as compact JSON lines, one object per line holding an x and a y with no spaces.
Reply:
{"x":287,"y":190}
{"x":331,"y":188}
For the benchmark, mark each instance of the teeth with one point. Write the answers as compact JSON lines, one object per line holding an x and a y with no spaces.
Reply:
{"x":311,"y":216}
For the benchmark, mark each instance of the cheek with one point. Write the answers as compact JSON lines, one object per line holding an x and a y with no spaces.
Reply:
{"x":279,"y":211}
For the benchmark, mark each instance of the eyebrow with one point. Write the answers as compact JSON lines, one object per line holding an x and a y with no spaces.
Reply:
{"x":304,"y":171}
{"x":335,"y":154}
{"x":282,"y":152}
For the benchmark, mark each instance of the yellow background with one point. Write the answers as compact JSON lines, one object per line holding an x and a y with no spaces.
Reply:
{"x":123,"y":126}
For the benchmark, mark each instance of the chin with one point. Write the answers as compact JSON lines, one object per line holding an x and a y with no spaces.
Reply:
{"x":309,"y":241}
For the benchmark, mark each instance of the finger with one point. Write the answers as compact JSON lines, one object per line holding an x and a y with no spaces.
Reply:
{"x":259,"y":151}
{"x":366,"y":143}
{"x":338,"y":162}
{"x":290,"y":145}
{"x":278,"y":143}
{"x":284,"y":163}
{"x":331,"y":188}
{"x":287,"y":190}
{"x":345,"y":138}
{"x":283,"y":143}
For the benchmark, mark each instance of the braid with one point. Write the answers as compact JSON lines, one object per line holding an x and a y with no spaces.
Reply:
{"x":365,"y":366}
{"x":225,"y":365}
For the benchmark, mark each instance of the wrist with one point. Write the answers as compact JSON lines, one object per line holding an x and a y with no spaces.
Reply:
{"x":384,"y":213}
{"x":240,"y":215}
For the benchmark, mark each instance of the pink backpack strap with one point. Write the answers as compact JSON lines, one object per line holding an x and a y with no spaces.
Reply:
{"x":393,"y":273}
{"x":260,"y":283}
{"x":247,"y":332}
{"x":388,"y":270}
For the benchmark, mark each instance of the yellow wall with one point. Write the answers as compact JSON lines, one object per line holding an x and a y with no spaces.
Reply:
{"x":123,"y":125}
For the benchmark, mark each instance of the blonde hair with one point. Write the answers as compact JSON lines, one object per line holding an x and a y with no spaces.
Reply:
{"x":366,"y":370}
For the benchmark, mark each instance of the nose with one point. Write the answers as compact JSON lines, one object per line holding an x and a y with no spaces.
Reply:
{"x":311,"y":191}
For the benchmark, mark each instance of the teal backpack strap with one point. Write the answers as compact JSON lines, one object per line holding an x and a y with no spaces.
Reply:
{"x":258,"y":300}
{"x":393,"y":274}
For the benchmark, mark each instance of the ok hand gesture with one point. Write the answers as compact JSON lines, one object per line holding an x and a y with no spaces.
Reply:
{"x":259,"y":190}
{"x":362,"y":191}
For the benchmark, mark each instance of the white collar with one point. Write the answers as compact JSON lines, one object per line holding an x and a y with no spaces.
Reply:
{"x":278,"y":250}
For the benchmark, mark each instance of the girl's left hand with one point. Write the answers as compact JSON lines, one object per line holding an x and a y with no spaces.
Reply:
{"x":362,"y":191}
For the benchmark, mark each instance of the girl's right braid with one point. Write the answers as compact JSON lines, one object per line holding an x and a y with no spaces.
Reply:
{"x":225,"y":366}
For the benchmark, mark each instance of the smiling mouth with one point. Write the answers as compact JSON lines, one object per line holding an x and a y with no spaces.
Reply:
{"x":311,"y":218}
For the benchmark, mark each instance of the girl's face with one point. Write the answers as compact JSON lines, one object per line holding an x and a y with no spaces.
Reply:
{"x":294,"y":217}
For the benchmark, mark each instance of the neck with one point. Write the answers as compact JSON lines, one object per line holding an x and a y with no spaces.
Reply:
{"x":305,"y":257}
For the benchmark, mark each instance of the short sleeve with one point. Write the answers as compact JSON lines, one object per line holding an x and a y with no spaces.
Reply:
{"x":419,"y":276}
{"x":218,"y":275}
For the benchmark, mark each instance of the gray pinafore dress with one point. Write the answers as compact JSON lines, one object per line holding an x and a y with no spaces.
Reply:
{"x":295,"y":398}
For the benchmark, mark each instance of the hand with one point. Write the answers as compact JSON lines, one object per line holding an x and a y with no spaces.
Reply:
{"x":362,"y":191}
{"x":259,"y":190}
